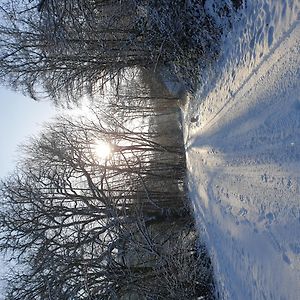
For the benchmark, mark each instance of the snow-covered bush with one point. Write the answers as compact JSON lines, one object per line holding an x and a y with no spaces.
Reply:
{"x":180,"y":34}
{"x":185,"y":35}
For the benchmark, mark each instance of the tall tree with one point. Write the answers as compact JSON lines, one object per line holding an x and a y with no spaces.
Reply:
{"x":67,"y":48}
{"x":98,"y":227}
{"x":64,"y":49}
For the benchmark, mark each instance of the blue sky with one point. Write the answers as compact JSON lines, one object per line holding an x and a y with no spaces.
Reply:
{"x":20,"y":117}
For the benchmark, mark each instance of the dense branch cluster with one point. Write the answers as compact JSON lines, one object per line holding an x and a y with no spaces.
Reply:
{"x":86,"y":227}
{"x":64,"y":49}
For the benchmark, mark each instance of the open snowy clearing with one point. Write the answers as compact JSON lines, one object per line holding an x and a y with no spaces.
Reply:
{"x":242,"y":136}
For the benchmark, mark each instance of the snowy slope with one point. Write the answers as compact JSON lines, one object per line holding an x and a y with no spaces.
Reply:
{"x":244,"y":155}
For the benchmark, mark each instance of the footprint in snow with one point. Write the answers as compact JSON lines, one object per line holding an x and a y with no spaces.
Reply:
{"x":270,"y":217}
{"x":243,"y":212}
{"x":286,"y":259}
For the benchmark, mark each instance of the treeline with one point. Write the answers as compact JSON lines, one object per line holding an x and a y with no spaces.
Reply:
{"x":65,"y":49}
{"x":119,"y":227}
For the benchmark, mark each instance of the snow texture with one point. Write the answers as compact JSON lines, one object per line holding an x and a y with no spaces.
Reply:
{"x":242,"y":135}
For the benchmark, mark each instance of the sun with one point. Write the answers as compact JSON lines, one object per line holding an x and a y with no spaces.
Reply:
{"x":102,"y":149}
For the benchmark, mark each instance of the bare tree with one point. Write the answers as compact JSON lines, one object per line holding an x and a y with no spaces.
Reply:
{"x":68,"y":48}
{"x":90,"y":227}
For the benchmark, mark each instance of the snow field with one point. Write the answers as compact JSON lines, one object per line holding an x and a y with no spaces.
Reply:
{"x":243,"y":155}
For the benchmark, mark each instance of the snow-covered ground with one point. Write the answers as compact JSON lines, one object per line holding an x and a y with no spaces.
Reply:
{"x":242,"y":135}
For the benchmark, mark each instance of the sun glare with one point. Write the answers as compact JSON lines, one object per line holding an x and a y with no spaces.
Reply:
{"x":102,"y":149}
